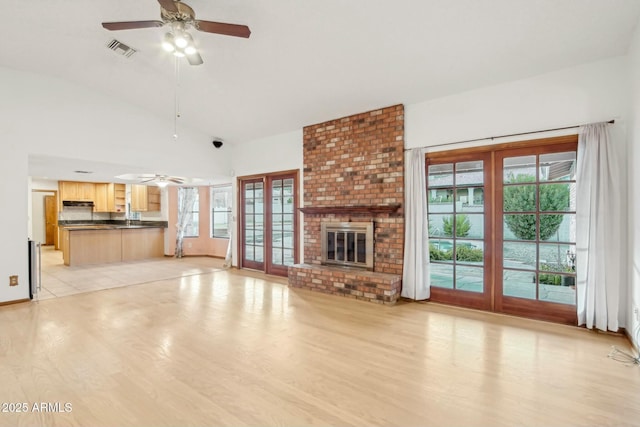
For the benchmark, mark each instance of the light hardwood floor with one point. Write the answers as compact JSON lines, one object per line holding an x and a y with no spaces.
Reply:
{"x":224,"y":347}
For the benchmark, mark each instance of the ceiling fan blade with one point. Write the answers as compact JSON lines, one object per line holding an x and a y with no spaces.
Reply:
{"x":176,"y":180}
{"x":131,"y":25}
{"x":147,"y":180}
{"x":195,"y":59}
{"x":168,"y":5}
{"x":222,"y":28}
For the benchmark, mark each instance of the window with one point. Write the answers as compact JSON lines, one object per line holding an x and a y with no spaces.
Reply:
{"x":220,"y":211}
{"x":189,"y":210}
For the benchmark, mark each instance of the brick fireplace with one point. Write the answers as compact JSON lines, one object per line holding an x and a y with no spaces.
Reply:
{"x":354,"y":173}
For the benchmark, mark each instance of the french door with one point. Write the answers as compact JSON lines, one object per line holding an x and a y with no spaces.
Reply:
{"x":269,"y":222}
{"x":502,"y":227}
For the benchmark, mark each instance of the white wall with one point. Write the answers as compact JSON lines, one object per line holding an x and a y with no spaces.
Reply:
{"x":587,"y":93}
{"x":15,"y":193}
{"x":40,"y":115}
{"x":273,"y":154}
{"x":633,"y":323}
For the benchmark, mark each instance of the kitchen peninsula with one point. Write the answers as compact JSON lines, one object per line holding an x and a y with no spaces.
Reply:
{"x":118,"y":241}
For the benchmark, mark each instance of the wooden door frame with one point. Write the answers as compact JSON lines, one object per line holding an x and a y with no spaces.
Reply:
{"x":266,"y":179}
{"x":484,"y":300}
{"x":561,"y":313}
{"x":535,"y":309}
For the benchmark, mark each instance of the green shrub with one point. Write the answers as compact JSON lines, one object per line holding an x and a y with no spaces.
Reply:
{"x":464,"y":253}
{"x":463,"y":225}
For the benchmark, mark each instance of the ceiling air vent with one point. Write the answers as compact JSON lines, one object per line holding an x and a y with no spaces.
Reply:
{"x":121,"y":48}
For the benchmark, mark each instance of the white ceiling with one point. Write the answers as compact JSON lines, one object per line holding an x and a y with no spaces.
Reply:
{"x":309,"y":61}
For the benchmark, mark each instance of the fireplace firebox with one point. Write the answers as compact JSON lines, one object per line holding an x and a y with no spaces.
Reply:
{"x":349,"y":244}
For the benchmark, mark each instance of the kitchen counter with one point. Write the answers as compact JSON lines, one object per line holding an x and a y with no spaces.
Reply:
{"x":84,"y":244}
{"x":107,"y":227}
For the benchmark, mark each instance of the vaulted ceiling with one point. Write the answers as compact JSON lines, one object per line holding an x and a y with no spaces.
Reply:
{"x":312,"y":60}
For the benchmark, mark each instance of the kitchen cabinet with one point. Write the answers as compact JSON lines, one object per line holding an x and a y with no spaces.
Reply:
{"x":77,"y":191}
{"x":119,"y":197}
{"x":153,"y":198}
{"x":101,"y":202}
{"x":110,"y":197}
{"x":139,"y":198}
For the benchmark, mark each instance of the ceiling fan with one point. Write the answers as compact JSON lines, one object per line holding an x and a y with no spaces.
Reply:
{"x":181,"y":17}
{"x":160,"y":180}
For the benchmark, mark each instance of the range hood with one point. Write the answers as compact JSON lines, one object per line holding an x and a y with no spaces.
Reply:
{"x":77,"y":204}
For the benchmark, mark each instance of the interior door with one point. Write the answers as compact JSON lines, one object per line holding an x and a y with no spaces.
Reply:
{"x":51,"y":220}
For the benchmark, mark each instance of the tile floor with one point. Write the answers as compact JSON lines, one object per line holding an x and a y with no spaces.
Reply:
{"x":59,"y":280}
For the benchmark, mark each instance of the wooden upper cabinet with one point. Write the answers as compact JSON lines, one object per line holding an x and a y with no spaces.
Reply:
{"x":68,"y":190}
{"x":139,"y":198}
{"x":87,"y":191}
{"x":118,"y":193}
{"x":154,"y":197}
{"x":107,"y":197}
{"x":102,"y":198}
{"x":77,"y":191}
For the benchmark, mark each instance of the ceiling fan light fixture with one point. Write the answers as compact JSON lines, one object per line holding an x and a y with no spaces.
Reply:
{"x":181,"y":40}
{"x":167,"y":43}
{"x":179,"y":53}
{"x":190,"y":50}
{"x":162,"y":183}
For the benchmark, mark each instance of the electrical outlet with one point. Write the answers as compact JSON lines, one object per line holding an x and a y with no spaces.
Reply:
{"x":637,"y":313}
{"x":13,"y":280}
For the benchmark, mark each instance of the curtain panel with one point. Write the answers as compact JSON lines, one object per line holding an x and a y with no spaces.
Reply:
{"x":599,"y":233}
{"x":415,"y":275}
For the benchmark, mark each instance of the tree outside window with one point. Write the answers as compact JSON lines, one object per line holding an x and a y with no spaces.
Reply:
{"x":220,"y":211}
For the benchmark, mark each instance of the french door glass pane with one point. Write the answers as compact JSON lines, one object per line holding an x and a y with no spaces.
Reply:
{"x":475,"y":222}
{"x":456,"y":225}
{"x":519,"y":169}
{"x":470,"y":173}
{"x":566,"y":232}
{"x":519,"y":255}
{"x":521,"y":284}
{"x":470,"y":279}
{"x":282,"y":221}
{"x":470,"y":252}
{"x":558,"y":166}
{"x":519,"y":198}
{"x":549,"y":224}
{"x":441,"y":275}
{"x":519,"y":227}
{"x":440,"y":175}
{"x":253,"y":222}
{"x":555,"y":197}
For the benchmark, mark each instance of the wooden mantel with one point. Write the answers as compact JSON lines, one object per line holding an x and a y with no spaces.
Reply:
{"x":358,"y":209}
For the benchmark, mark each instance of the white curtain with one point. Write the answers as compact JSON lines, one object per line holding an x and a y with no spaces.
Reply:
{"x":415,"y":276}
{"x":186,"y":199}
{"x":598,"y":248}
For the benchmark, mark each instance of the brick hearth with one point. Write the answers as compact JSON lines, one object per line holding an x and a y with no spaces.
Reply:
{"x":355,"y":161}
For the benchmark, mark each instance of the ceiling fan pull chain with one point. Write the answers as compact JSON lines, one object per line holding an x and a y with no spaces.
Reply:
{"x":177,"y":99}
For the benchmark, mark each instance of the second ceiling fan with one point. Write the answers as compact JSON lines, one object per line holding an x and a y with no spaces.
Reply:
{"x":181,"y":17}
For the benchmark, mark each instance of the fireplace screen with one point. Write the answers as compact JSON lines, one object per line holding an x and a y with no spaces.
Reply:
{"x":348,"y":244}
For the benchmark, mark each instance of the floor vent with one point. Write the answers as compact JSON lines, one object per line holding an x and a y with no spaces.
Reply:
{"x":121,"y":48}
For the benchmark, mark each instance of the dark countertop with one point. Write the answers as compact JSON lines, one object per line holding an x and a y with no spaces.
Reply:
{"x":106,"y":227}
{"x":110,"y":224}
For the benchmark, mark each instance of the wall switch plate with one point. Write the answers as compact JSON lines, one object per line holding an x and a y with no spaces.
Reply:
{"x":13,"y":280}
